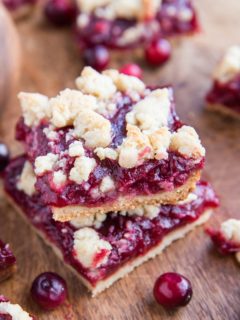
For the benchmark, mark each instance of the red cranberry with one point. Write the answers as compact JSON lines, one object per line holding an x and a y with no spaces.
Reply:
{"x":49,"y":290}
{"x":61,"y":12}
{"x":4,"y":156}
{"x":172,"y":290}
{"x":132,"y":69}
{"x":158,"y":52}
{"x":97,"y":57}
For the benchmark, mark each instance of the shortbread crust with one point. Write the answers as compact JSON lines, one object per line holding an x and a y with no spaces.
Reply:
{"x":172,"y":197}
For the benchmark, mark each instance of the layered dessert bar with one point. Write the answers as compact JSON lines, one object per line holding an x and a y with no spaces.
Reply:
{"x":19,"y":8}
{"x":133,"y":24}
{"x":114,"y":144}
{"x":9,"y":311}
{"x":103,"y":248}
{"x":7,"y":261}
{"x":224,"y":95}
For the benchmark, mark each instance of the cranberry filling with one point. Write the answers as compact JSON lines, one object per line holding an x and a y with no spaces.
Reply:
{"x":13,"y":5}
{"x":227,"y":94}
{"x":224,"y":246}
{"x":174,"y":17}
{"x":7,"y":258}
{"x":130,"y":237}
{"x":151,"y":177}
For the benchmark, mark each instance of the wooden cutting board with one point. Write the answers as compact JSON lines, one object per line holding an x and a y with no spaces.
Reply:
{"x":51,"y":63}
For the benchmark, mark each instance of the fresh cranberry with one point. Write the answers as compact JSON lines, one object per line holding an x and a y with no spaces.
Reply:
{"x":49,"y":290}
{"x":172,"y":290}
{"x":4,"y":156}
{"x":97,"y":57}
{"x":158,"y":52}
{"x":132,"y":69}
{"x":61,"y":12}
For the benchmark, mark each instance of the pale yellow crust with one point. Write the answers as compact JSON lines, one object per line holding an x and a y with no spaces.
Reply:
{"x":131,"y":265}
{"x":217,"y":107}
{"x":128,"y":203}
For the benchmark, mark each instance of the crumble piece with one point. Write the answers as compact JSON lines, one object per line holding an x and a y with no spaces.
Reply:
{"x":93,"y":128}
{"x":160,"y":141}
{"x":14,"y":310}
{"x":104,"y":153}
{"x":45,"y":163}
{"x":82,"y":168}
{"x":107,"y":184}
{"x":76,"y":149}
{"x":186,"y":142}
{"x":90,"y":250}
{"x":35,"y":107}
{"x":27,"y":180}
{"x":97,"y":84}
{"x":231,"y":230}
{"x":59,"y":178}
{"x":90,"y":220}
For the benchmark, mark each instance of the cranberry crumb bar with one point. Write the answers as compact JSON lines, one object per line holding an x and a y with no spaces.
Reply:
{"x":7,"y":261}
{"x":9,"y":311}
{"x":111,"y":145}
{"x":123,"y":24}
{"x":19,"y":8}
{"x":224,"y":96}
{"x":103,"y":248}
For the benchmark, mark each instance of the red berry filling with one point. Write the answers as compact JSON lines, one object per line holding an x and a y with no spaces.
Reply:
{"x":61,"y":12}
{"x":227,"y":94}
{"x":129,"y":236}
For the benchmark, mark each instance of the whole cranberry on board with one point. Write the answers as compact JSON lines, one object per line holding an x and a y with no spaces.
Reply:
{"x":172,"y":290}
{"x":49,"y":290}
{"x":96,"y":57}
{"x":158,"y":52}
{"x":61,"y":12}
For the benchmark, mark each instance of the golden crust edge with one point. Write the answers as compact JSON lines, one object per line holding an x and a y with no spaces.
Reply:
{"x":67,"y":213}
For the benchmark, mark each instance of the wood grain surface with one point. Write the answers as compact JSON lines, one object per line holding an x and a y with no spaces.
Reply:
{"x":50,"y":64}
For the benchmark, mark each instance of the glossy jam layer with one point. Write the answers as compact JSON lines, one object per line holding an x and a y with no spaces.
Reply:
{"x":175,"y":17}
{"x":151,"y":177}
{"x":130,"y":237}
{"x":13,"y":5}
{"x":223,"y":245}
{"x":7,"y":258}
{"x":227,"y":94}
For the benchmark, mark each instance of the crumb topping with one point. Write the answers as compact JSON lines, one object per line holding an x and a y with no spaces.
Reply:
{"x":125,"y":83}
{"x":45,"y":163}
{"x":191,"y":197}
{"x":231,"y":230}
{"x":82,"y":168}
{"x":112,"y":9}
{"x":186,"y":141}
{"x":96,"y":84}
{"x":108,"y":153}
{"x":76,"y":149}
{"x":160,"y":141}
{"x":147,"y":211}
{"x":27,"y":180}
{"x":34,"y":107}
{"x":229,"y":67}
{"x":90,"y":250}
{"x":15,"y":311}
{"x":59,"y":178}
{"x":93,"y":128}
{"x":107,"y":184}
{"x":152,"y":112}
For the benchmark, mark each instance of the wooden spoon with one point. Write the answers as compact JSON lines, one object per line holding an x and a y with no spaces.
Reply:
{"x":9,"y":57}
